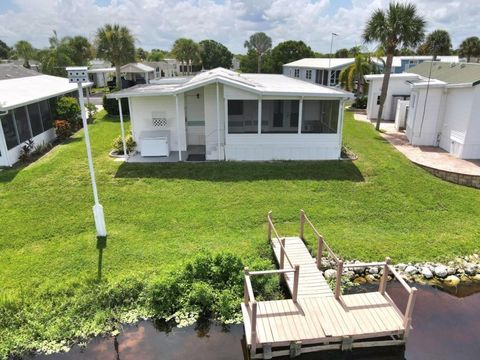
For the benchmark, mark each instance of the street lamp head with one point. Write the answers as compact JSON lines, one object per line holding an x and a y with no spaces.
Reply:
{"x":77,"y":74}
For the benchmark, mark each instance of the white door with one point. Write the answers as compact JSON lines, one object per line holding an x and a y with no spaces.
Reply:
{"x":195,"y":117}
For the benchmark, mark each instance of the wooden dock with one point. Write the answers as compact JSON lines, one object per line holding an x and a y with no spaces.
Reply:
{"x":317,"y":318}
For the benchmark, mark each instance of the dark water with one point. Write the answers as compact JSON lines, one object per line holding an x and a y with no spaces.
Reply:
{"x":444,"y":327}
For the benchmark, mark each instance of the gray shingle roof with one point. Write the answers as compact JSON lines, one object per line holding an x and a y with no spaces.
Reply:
{"x":451,"y":73}
{"x":12,"y":71}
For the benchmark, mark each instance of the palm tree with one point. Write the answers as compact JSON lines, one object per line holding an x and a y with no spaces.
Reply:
{"x":352,"y":77}
{"x":186,"y":51}
{"x":115,"y":43}
{"x":438,"y":42}
{"x":56,"y":57}
{"x":470,"y":47}
{"x":399,"y":26}
{"x":260,"y":43}
{"x":24,"y":50}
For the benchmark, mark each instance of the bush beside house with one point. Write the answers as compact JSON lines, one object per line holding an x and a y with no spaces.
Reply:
{"x":111,"y":106}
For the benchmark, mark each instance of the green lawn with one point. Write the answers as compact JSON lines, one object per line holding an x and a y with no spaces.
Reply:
{"x":159,"y":215}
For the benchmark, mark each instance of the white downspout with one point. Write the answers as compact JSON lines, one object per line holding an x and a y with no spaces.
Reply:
{"x":178,"y":129}
{"x":259,"y":124}
{"x":218,"y":123}
{"x":226,"y":126}
{"x":340,"y":125}
{"x":122,"y":128}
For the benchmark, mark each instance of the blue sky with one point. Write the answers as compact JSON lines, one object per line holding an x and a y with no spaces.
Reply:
{"x":157,"y":23}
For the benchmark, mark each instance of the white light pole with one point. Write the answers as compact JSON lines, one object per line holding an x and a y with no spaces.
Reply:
{"x":79,"y":75}
{"x":330,"y":58}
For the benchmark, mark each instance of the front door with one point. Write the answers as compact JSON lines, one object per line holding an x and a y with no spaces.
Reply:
{"x":195,"y":118}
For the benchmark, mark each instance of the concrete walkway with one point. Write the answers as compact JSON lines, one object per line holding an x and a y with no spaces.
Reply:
{"x":427,"y":156}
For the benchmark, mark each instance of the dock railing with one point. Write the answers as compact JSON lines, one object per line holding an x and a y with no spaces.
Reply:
{"x":340,"y":266}
{"x":283,"y":256}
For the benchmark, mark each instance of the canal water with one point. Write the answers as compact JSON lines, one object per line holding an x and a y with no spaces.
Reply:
{"x":445,"y":326}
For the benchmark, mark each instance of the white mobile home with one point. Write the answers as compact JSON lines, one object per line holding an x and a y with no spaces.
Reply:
{"x":234,"y":116}
{"x":25,"y":110}
{"x":443,"y":109}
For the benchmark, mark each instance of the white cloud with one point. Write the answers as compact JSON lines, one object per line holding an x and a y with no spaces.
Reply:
{"x":157,"y":23}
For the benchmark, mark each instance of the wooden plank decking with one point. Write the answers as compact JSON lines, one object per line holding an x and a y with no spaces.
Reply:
{"x":316,"y":316}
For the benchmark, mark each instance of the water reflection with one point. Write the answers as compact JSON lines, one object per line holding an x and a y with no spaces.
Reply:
{"x":444,"y":327}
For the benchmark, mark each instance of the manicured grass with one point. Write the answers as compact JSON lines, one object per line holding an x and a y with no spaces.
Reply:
{"x":159,"y":215}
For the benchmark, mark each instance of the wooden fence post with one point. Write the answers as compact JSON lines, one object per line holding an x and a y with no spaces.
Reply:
{"x":296,"y":278}
{"x":408,"y":312}
{"x":269,"y":216}
{"x":319,"y":252}
{"x":338,"y":285}
{"x":383,"y":282}
{"x":253,"y":337}
{"x":302,"y":223}
{"x":282,"y":254}
{"x":246,"y":297}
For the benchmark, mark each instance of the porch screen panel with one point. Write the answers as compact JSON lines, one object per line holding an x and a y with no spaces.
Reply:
{"x":46,"y":115}
{"x":280,"y":116}
{"x":23,"y":126}
{"x":242,"y":116}
{"x":35,"y":119}
{"x":9,"y":131}
{"x":320,"y":116}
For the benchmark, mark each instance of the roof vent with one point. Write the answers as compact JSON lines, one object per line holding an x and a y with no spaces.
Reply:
{"x":462,"y":65}
{"x":453,"y":65}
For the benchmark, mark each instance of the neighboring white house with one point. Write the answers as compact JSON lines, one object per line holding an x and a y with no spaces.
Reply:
{"x":443,"y":110}
{"x":25,"y":111}
{"x":319,"y":70}
{"x":99,"y":72}
{"x":162,"y":68}
{"x":234,"y":116}
{"x":138,"y":73}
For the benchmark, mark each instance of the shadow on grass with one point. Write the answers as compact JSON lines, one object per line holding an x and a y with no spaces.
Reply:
{"x":245,"y":171}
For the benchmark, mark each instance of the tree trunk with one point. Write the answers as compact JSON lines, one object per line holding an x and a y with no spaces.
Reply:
{"x":259,"y":64}
{"x":118,"y":80}
{"x":383,"y":95}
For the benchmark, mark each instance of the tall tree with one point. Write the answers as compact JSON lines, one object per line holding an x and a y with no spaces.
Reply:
{"x":470,"y":47}
{"x":25,"y":51}
{"x":438,"y":42}
{"x":286,"y":52}
{"x":352,"y":77}
{"x":57,"y":57}
{"x":157,"y":55}
{"x":260,"y":43}
{"x":399,"y":26}
{"x":4,"y":50}
{"x":141,"y":55}
{"x":214,"y":54}
{"x":342,"y":53}
{"x":116,"y":44}
{"x":186,"y":51}
{"x":354,"y":51}
{"x":80,"y":50}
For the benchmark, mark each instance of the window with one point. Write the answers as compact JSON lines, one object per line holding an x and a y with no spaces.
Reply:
{"x":308,"y":74}
{"x":46,"y":115}
{"x":35,"y":119}
{"x":9,"y":130}
{"x":334,"y":75}
{"x":378,"y":100}
{"x":280,"y":116}
{"x":242,"y":116}
{"x":296,"y":73}
{"x":23,"y":126}
{"x":320,"y":116}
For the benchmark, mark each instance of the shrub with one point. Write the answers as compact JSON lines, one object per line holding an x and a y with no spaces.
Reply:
{"x":62,"y":129}
{"x":111,"y":106}
{"x":360,"y":102}
{"x":118,"y":144}
{"x":69,"y":110}
{"x":91,"y":112}
{"x":26,"y":150}
{"x":41,"y":149}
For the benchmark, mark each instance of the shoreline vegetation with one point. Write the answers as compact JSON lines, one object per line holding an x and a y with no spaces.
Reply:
{"x":161,"y":217}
